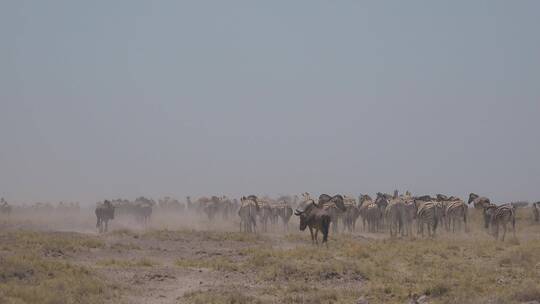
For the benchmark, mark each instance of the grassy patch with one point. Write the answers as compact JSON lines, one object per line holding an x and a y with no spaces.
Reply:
{"x":124,"y":246}
{"x":449,"y":270}
{"x":220,"y":297}
{"x":49,"y":244}
{"x":127,"y":263}
{"x":213,"y":236}
{"x":467,"y":269}
{"x":33,"y":269}
{"x":32,"y":279}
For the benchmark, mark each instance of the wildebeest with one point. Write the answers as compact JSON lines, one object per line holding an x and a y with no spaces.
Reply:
{"x":248,"y":213}
{"x":316,"y":218}
{"x":104,"y":213}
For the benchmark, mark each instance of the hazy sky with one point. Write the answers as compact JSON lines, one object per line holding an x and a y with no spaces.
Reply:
{"x":104,"y":99}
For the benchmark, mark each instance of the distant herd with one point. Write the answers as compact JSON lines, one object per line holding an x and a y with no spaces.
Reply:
{"x":396,"y":214}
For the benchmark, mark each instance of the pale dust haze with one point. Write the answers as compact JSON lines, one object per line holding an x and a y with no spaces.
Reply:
{"x":104,"y":100}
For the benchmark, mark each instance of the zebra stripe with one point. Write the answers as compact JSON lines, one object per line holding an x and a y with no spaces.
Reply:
{"x":428,"y":214}
{"x":502,"y":216}
{"x":456,"y":212}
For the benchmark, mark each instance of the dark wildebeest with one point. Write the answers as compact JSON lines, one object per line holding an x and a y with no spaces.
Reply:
{"x":104,"y":213}
{"x":248,"y":213}
{"x":317,"y":217}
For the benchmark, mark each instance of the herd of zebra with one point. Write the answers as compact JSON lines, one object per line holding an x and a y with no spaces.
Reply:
{"x":396,"y":214}
{"x":39,"y":208}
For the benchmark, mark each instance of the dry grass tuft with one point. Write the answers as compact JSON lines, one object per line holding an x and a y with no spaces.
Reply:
{"x":31,"y":272}
{"x":144,"y":262}
{"x":220,"y":297}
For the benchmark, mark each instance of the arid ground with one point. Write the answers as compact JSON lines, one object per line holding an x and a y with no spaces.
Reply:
{"x":55,"y":258}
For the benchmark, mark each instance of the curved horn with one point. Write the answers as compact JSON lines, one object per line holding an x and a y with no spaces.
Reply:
{"x":297,"y":212}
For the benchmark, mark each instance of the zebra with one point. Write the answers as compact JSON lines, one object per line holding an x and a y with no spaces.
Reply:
{"x":409,"y":214}
{"x":488,"y":211}
{"x":478,"y":201}
{"x":364,"y":202}
{"x":429,"y":213}
{"x":441,"y":205}
{"x":536,"y":211}
{"x":248,"y":214}
{"x":104,"y":213}
{"x":373,"y":216}
{"x":285,"y":212}
{"x":265,"y":213}
{"x":456,"y":212}
{"x":501,"y":216}
{"x":5,"y":208}
{"x":335,"y":207}
{"x":394,"y":214}
{"x":382,"y":202}
{"x":351,"y":214}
